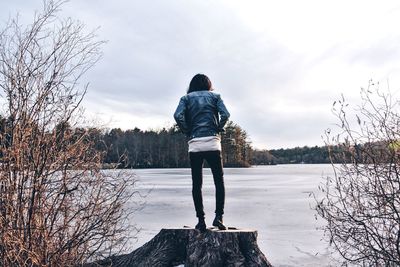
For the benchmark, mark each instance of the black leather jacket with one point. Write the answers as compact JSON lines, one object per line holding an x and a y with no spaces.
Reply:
{"x":201,"y":113}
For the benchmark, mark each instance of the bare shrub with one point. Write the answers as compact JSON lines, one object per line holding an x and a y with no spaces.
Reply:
{"x":361,"y":202}
{"x":57,"y":207}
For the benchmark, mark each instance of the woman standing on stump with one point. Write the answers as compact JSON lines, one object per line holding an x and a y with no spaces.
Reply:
{"x":201,"y":115}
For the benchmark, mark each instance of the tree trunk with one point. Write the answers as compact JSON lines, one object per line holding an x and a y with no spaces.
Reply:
{"x":189,"y":247}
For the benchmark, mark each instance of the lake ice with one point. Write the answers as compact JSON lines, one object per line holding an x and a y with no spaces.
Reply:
{"x":274,"y":200}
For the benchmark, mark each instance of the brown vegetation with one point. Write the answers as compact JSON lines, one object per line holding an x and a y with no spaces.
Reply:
{"x":57,"y":208}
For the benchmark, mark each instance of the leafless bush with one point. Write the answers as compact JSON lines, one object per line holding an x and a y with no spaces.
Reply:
{"x":361,"y":202}
{"x":57,"y":207}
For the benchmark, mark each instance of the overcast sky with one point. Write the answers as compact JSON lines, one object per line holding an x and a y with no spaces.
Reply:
{"x":278,"y":65}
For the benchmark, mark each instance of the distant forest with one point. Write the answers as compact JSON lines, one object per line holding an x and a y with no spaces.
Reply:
{"x":167,"y":148}
{"x":304,"y":154}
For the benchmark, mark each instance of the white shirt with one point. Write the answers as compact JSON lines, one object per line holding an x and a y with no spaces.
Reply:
{"x":206,"y":143}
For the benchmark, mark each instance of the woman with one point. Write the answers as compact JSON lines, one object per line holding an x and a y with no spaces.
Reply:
{"x":201,"y":115}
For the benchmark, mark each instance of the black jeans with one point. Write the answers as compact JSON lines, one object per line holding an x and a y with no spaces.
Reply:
{"x":214,"y":160}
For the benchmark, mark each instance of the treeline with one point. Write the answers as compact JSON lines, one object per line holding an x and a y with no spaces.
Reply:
{"x":135,"y":148}
{"x":298,"y":155}
{"x":167,"y":148}
{"x":342,"y":153}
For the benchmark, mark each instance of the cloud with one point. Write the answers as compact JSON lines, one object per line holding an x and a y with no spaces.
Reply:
{"x":278,"y":69}
{"x":379,"y":53}
{"x":154,"y":61}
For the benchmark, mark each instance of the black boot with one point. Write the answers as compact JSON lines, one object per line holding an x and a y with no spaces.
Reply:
{"x":201,"y":225}
{"x":218,"y":222}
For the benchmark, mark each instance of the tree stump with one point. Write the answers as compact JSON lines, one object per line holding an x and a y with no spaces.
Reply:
{"x":190,"y":247}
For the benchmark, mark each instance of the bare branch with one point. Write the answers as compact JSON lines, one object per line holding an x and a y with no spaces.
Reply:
{"x":361,"y":202}
{"x":57,"y":207}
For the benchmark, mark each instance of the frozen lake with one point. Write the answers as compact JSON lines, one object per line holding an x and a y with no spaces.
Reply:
{"x":275,"y":200}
